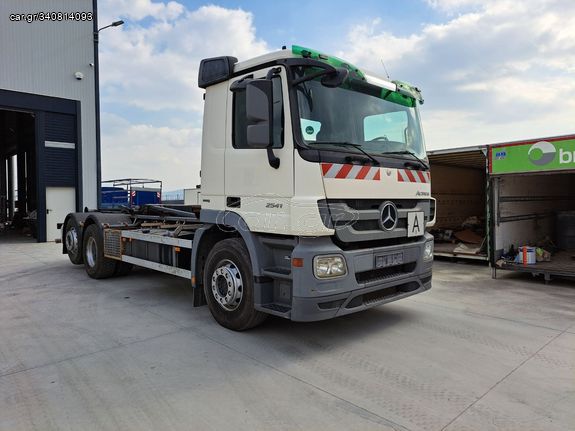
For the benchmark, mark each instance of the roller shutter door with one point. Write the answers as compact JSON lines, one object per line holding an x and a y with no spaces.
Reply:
{"x":60,"y":157}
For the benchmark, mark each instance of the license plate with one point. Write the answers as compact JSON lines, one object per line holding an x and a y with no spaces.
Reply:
{"x":389,"y":260}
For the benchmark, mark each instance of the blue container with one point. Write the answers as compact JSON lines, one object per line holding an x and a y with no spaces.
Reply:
{"x":114,"y":197}
{"x":143,"y":197}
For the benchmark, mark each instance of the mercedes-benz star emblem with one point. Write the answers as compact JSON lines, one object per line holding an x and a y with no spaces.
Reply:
{"x":388,"y":219}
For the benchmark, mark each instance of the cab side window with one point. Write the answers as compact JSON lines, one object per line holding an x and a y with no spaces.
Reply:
{"x":239,"y":122}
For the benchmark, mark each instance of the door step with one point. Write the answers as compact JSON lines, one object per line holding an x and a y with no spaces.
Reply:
{"x":276,"y":309}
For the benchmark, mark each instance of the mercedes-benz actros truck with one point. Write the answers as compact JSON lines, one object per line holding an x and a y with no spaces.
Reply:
{"x":315,"y":196}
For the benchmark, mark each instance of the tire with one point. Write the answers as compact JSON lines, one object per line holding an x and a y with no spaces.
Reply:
{"x":229,"y":286}
{"x":123,"y":268}
{"x":97,"y":266}
{"x":71,"y":239}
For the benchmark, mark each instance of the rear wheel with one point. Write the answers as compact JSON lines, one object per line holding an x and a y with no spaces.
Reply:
{"x":71,"y":239}
{"x":229,"y":286}
{"x":97,"y":266}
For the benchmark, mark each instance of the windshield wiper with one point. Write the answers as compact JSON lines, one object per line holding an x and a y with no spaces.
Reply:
{"x":410,"y":153}
{"x":349,"y":144}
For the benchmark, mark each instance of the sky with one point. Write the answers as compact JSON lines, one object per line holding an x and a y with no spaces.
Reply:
{"x":490,"y":70}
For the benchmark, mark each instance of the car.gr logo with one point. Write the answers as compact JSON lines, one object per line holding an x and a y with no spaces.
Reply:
{"x":542,"y":153}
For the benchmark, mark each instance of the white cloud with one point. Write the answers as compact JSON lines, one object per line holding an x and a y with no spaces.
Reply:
{"x":144,"y":151}
{"x":372,"y":52}
{"x":500,"y":72}
{"x":451,"y":6}
{"x":151,"y":65}
{"x":137,"y":10}
{"x":155,"y":67}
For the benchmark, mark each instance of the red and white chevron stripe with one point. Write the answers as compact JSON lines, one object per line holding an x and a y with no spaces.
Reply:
{"x":412,"y":176}
{"x":350,"y":172}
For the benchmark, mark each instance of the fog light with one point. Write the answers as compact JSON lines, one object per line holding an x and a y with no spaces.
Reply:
{"x":329,"y":266}
{"x":428,"y":251}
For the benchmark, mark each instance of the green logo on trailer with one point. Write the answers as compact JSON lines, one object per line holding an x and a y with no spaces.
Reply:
{"x":533,"y":157}
{"x":542,"y":153}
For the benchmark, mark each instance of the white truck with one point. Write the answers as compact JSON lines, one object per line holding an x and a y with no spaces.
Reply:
{"x":315,"y":196}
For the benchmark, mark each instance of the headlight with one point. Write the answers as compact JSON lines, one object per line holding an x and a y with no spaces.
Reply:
{"x":428,"y":251}
{"x":329,"y":266}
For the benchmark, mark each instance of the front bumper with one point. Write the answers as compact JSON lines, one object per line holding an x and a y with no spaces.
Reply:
{"x":363,"y":287}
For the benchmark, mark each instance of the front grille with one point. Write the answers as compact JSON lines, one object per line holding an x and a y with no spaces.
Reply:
{"x":356,"y":220}
{"x":367,"y":204}
{"x":331,"y":304}
{"x":360,"y":225}
{"x":371,"y":225}
{"x":384,"y":273}
{"x":387,"y":293}
{"x":380,"y":295}
{"x":350,"y":246}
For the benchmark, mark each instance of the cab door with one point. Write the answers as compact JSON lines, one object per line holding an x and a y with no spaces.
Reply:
{"x":253,"y":188}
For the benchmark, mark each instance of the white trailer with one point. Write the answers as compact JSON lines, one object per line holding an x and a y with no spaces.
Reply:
{"x":315,"y":196}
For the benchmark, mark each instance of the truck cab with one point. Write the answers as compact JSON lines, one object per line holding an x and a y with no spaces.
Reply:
{"x":315,"y":194}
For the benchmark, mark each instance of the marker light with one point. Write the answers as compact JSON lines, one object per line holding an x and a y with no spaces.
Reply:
{"x":428,"y":251}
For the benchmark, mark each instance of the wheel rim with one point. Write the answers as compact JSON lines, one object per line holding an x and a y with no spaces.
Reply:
{"x":72,"y":241}
{"x":227,"y":285}
{"x":91,"y":251}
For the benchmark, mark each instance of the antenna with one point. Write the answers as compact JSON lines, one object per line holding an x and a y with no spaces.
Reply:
{"x":385,"y":68}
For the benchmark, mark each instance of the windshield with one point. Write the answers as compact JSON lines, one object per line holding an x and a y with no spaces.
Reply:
{"x":377,"y":119}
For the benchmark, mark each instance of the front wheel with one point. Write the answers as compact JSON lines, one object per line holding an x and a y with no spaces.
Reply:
{"x":96,"y":264}
{"x":229,"y":286}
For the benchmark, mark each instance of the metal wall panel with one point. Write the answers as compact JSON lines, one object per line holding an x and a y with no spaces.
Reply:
{"x":42,"y":57}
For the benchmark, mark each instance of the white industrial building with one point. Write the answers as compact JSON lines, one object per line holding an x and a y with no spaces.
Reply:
{"x":49,"y":126}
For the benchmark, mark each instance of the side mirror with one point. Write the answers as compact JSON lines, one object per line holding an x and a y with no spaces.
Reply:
{"x":259,"y":104}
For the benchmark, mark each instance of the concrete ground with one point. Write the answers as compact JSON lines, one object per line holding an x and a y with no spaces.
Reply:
{"x":132,"y":354}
